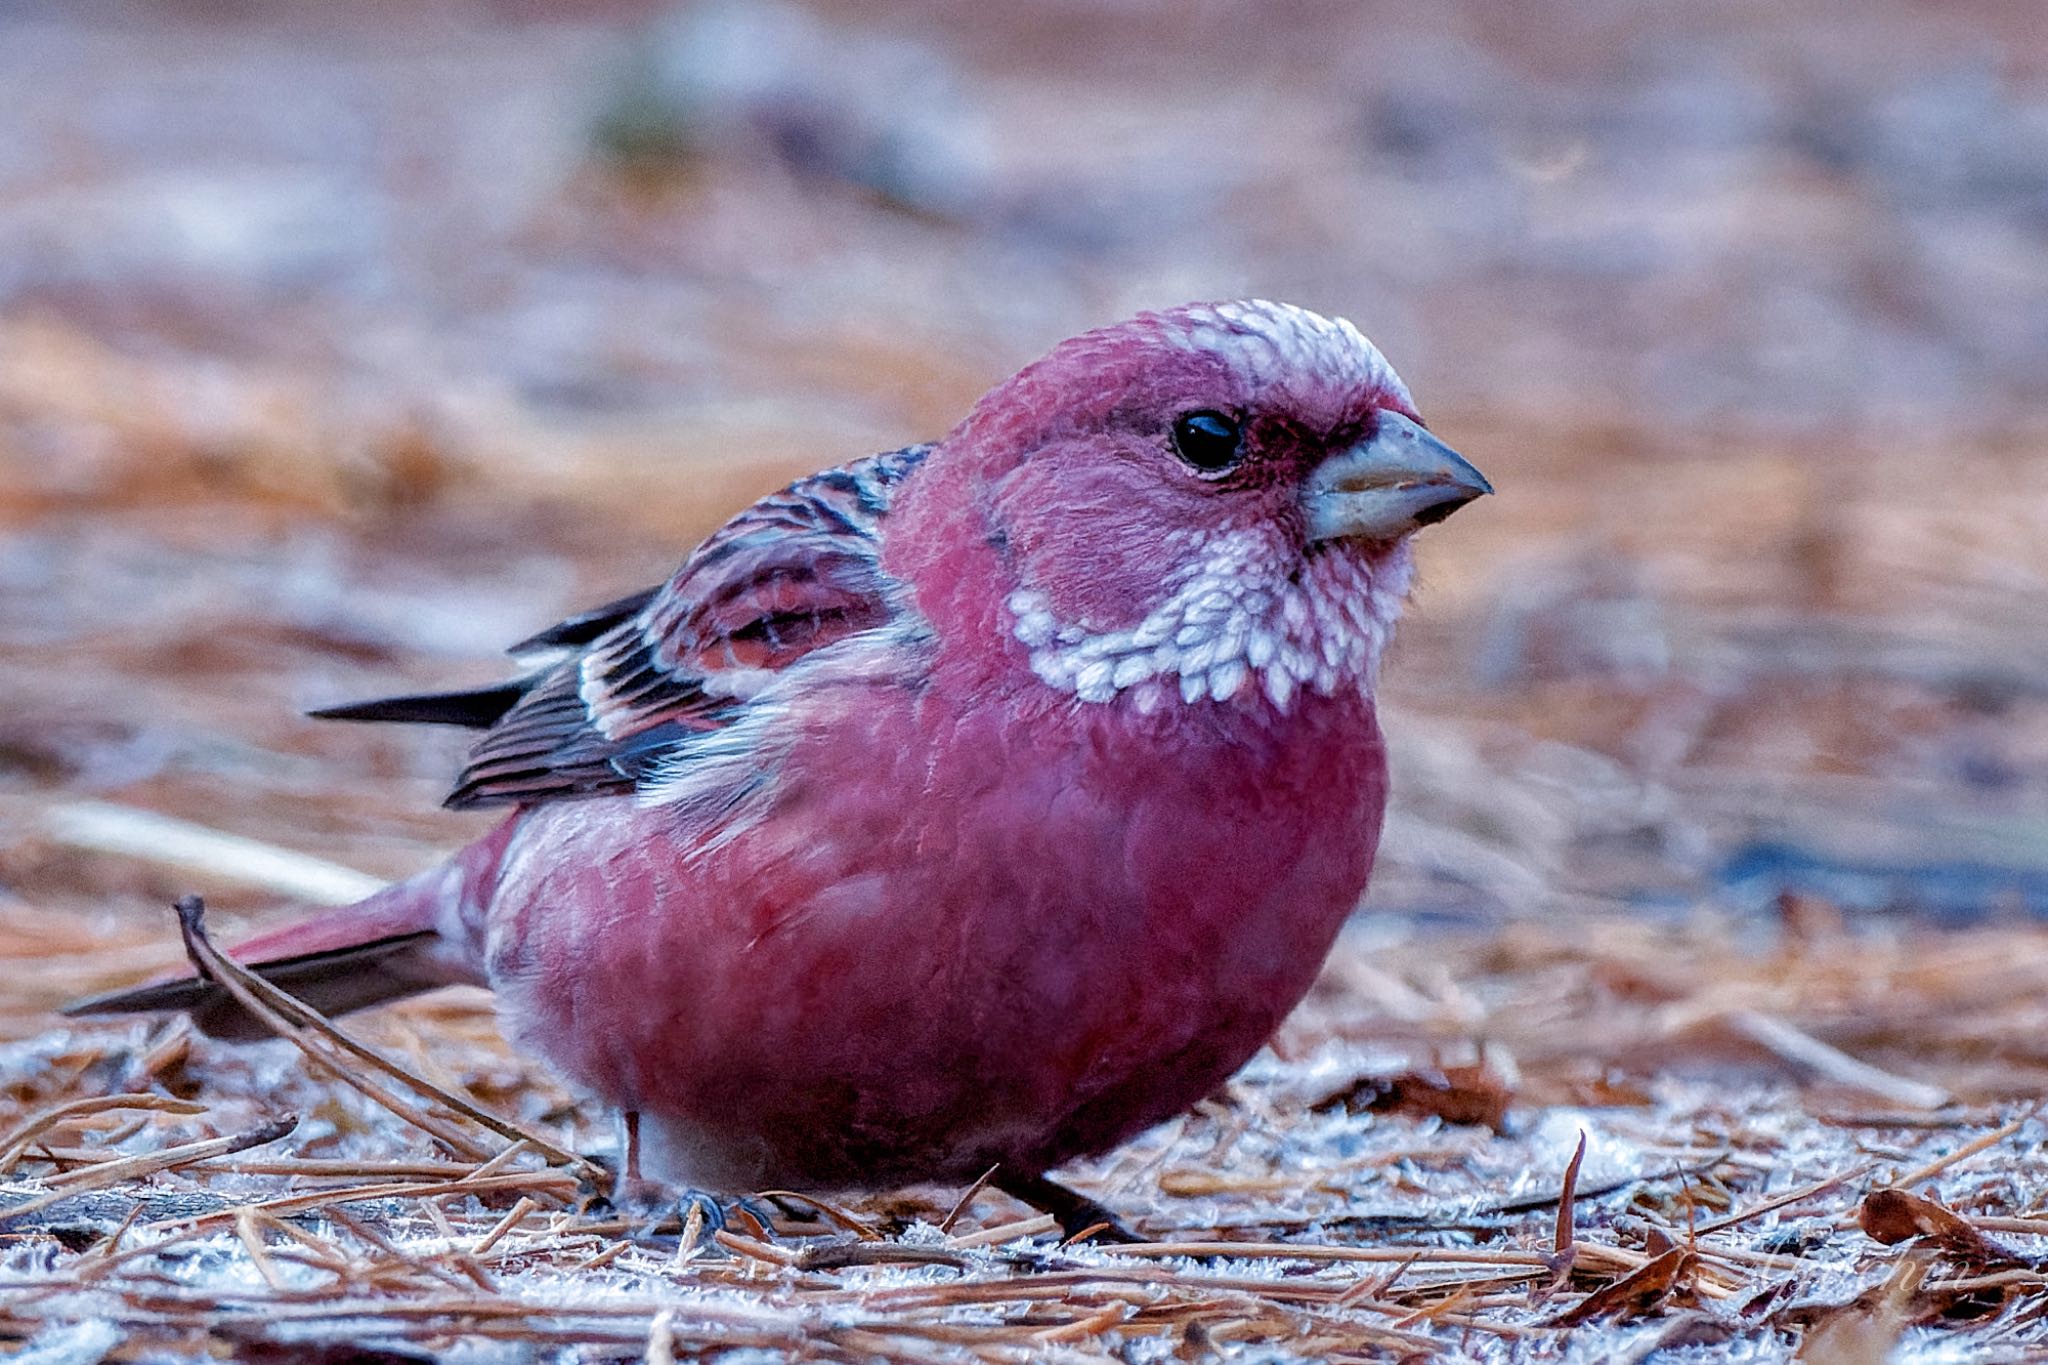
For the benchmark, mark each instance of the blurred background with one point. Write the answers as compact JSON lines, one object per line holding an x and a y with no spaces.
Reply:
{"x":342,"y":345}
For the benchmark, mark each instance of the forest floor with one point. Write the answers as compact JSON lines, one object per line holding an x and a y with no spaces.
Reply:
{"x":335,"y":354}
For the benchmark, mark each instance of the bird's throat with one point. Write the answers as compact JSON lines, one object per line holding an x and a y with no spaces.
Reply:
{"x":1244,"y":618}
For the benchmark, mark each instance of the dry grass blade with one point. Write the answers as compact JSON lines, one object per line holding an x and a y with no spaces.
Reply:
{"x":967,"y":1196}
{"x":1803,"y":1050}
{"x":1982,"y":1143}
{"x":16,"y":1143}
{"x":1561,"y":1241}
{"x":105,"y":1174}
{"x":1564,"y":1240}
{"x":1785,"y":1200}
{"x":294,"y":1020}
{"x":108,"y":828}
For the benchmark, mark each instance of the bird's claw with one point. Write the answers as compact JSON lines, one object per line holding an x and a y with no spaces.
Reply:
{"x":1081,"y":1219}
{"x":703,"y":1218}
{"x":1093,"y":1222}
{"x":696,"y":1216}
{"x":595,"y":1191}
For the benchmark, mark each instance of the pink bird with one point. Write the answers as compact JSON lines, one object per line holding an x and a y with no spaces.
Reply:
{"x":977,"y":804}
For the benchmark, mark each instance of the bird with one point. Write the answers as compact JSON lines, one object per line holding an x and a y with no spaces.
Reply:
{"x":977,"y":804}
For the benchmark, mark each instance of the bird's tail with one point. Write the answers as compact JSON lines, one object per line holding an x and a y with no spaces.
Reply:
{"x":410,"y":937}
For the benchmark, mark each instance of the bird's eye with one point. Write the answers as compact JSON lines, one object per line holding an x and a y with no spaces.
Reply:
{"x":1209,"y":441}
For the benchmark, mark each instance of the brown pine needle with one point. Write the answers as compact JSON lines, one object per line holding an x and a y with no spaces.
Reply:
{"x":1785,"y":1200}
{"x":16,"y":1143}
{"x":1561,"y":1241}
{"x":293,"y":1019}
{"x":510,"y":1221}
{"x":1982,"y":1143}
{"x":967,"y":1197}
{"x":105,"y":1174}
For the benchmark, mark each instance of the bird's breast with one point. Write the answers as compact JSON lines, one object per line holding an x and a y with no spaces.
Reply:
{"x":963,"y":932}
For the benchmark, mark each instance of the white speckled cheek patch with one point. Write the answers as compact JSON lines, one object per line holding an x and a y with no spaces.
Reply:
{"x":1245,"y":610}
{"x":1233,"y":617}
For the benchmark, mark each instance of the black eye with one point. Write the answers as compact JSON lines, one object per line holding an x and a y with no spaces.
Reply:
{"x":1209,"y":441}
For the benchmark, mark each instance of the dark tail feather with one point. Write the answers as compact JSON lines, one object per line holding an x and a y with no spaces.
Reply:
{"x":486,"y":706}
{"x":476,"y":710}
{"x":585,"y":629}
{"x":335,"y":981}
{"x":383,"y":947}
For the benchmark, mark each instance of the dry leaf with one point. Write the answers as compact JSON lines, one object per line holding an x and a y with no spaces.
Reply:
{"x":1475,"y":1094}
{"x":1635,"y":1293}
{"x":1892,"y":1216}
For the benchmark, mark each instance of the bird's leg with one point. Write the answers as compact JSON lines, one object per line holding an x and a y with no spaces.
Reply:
{"x":632,"y":1191}
{"x":1078,"y":1215}
{"x":661,"y":1209}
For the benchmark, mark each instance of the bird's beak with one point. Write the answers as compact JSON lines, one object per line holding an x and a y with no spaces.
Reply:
{"x":1399,"y":478}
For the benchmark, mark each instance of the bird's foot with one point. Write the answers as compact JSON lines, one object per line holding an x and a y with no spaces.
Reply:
{"x":595,"y":1192}
{"x":1081,"y":1219}
{"x":657,"y":1213}
{"x":703,"y":1218}
{"x":641,"y":1199}
{"x":633,"y":1197}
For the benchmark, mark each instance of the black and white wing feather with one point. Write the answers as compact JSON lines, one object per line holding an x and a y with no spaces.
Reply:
{"x":629,"y":682}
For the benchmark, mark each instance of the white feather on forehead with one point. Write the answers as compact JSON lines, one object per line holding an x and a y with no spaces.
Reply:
{"x":1271,"y":343}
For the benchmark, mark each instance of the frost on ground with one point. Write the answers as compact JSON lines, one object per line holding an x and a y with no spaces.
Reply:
{"x":340,"y":346}
{"x":1739,"y":1189}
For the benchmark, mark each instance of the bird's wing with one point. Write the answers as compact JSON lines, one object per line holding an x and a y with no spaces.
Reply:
{"x":795,"y":572}
{"x":482,"y":707}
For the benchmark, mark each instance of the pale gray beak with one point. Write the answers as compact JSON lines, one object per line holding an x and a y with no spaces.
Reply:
{"x":1398,"y":479}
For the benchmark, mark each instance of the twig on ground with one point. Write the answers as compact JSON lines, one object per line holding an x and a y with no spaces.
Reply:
{"x":1803,"y":1050}
{"x":295,"y":1020}
{"x":103,"y":827}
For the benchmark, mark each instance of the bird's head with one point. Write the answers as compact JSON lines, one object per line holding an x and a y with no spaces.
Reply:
{"x":1209,"y":502}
